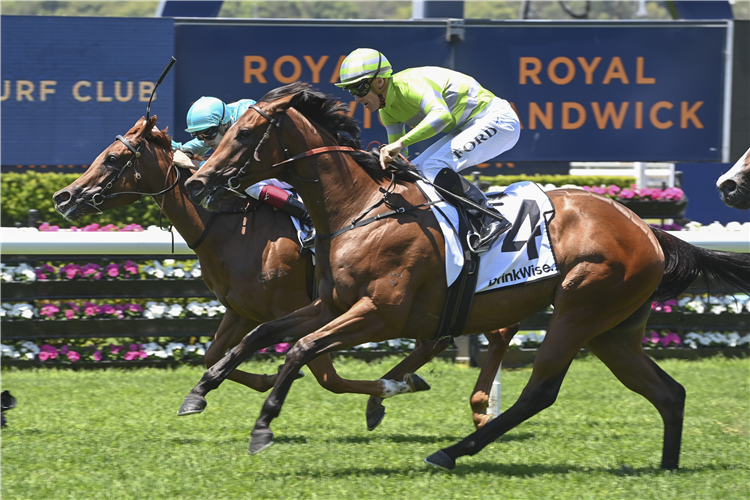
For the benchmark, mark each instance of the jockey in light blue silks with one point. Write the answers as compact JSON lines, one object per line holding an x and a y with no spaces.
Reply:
{"x":208,"y":119}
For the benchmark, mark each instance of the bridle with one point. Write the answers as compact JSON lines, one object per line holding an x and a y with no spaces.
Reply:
{"x":100,"y":197}
{"x":359,"y":220}
{"x":233,"y":183}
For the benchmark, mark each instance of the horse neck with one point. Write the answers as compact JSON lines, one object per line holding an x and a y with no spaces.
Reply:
{"x":342,"y":189}
{"x":189,"y":220}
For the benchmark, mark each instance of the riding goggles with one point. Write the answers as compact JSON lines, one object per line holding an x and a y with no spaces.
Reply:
{"x":206,"y":134}
{"x":362,"y":88}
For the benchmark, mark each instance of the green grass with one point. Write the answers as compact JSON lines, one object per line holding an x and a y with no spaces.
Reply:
{"x":115,"y":434}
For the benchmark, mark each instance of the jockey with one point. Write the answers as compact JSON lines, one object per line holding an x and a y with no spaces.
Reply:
{"x":208,"y":119}
{"x":478,"y":125}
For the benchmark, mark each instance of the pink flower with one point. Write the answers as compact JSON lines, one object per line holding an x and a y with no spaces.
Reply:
{"x":131,"y":355}
{"x":135,"y":308}
{"x":50,"y":350}
{"x":106,"y":309}
{"x":73,"y":356}
{"x":64,"y":350}
{"x":49,"y":310}
{"x":97,"y":355}
{"x":135,"y":347}
{"x":262,"y":350}
{"x":70,"y":271}
{"x":130,"y":266}
{"x":112,"y":270}
{"x":109,"y":227}
{"x":69,"y":313}
{"x":283,"y":347}
{"x":46,"y":227}
{"x":91,"y":309}
{"x":132,"y":227}
{"x":142,"y":354}
{"x":114,"y":349}
{"x":670,"y":338}
{"x":627,"y":194}
{"x":43,"y":356}
{"x":91,"y":227}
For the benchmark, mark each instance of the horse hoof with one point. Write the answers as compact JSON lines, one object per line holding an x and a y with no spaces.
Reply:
{"x":192,"y":404}
{"x":374,"y":417}
{"x":442,"y":460}
{"x":260,"y":440}
{"x":417,"y":383}
{"x":299,"y":374}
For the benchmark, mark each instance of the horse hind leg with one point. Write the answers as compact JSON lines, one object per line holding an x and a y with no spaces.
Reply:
{"x":623,"y":354}
{"x":496,"y":349}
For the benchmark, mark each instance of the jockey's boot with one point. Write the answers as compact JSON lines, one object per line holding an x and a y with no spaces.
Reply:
{"x":278,"y":198}
{"x":492,"y":226}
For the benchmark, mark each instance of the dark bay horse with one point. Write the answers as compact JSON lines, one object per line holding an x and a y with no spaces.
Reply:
{"x":611,"y":266}
{"x":734,"y":185}
{"x":234,"y":250}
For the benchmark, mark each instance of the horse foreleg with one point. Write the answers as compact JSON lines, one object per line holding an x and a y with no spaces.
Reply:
{"x":496,"y":349}
{"x":361,"y":323}
{"x":424,"y":352}
{"x":232,"y":329}
{"x":286,"y":329}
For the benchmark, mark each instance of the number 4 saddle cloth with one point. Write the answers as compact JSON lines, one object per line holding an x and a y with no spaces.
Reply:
{"x":521,"y":255}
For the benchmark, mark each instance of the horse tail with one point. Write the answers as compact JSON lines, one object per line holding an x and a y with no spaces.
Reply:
{"x":684,"y":263}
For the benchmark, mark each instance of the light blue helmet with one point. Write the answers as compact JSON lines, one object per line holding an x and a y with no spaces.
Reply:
{"x":206,"y":112}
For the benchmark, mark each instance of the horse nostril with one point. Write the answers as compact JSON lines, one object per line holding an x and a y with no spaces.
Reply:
{"x":728,"y":187}
{"x":61,"y":197}
{"x":194,"y":186}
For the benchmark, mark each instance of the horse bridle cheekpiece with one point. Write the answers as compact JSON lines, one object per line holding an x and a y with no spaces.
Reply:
{"x":233,"y":183}
{"x":136,"y":153}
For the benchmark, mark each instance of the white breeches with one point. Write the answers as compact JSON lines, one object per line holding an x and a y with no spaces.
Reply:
{"x":492,"y":132}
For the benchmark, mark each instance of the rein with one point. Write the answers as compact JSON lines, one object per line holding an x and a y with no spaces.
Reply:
{"x":233,"y":183}
{"x":359,"y":221}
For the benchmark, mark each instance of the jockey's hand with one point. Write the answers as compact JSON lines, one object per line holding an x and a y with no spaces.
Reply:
{"x":389,"y":152}
{"x":182,"y":160}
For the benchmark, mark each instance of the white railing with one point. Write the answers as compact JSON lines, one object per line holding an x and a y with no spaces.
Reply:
{"x":646,"y":174}
{"x":23,"y":241}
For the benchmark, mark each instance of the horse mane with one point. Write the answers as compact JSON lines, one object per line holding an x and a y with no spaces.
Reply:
{"x":331,"y":115}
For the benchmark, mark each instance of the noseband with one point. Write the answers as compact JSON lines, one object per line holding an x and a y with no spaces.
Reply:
{"x":94,"y":202}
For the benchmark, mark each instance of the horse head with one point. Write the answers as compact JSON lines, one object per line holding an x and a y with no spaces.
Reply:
{"x":132,"y":164}
{"x":263,"y":142}
{"x":734,"y":185}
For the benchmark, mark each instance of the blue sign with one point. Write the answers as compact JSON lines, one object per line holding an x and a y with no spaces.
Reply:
{"x":615,"y":92}
{"x":591,"y":91}
{"x":71,"y":84}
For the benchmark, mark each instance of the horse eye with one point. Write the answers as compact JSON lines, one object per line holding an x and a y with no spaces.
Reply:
{"x":244,"y":133}
{"x":111,"y":159}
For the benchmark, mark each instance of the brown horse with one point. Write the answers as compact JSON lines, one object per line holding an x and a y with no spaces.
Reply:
{"x":734,"y":185}
{"x":234,"y":250}
{"x":611,"y":266}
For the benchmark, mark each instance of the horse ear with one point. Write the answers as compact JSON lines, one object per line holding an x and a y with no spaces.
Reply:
{"x":284,"y":103}
{"x":148,"y":126}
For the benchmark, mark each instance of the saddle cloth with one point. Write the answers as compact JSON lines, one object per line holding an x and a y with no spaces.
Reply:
{"x":523,"y":254}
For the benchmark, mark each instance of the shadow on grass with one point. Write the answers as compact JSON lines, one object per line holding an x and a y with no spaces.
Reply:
{"x":395,"y":438}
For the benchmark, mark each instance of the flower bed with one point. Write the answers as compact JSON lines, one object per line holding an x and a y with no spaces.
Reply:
{"x":106,"y":351}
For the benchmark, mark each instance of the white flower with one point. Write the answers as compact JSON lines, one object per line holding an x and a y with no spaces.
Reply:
{"x":718,"y":309}
{"x":195,"y":308}
{"x":168,"y":262}
{"x":174,"y":311}
{"x":154,"y":309}
{"x":179,"y":273}
{"x":28,"y":346}
{"x":696,"y":306}
{"x":22,"y":310}
{"x":7,"y":351}
{"x":394,"y":343}
{"x":196,"y":272}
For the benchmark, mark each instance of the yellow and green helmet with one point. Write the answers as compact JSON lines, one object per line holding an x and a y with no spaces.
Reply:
{"x":361,"y":64}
